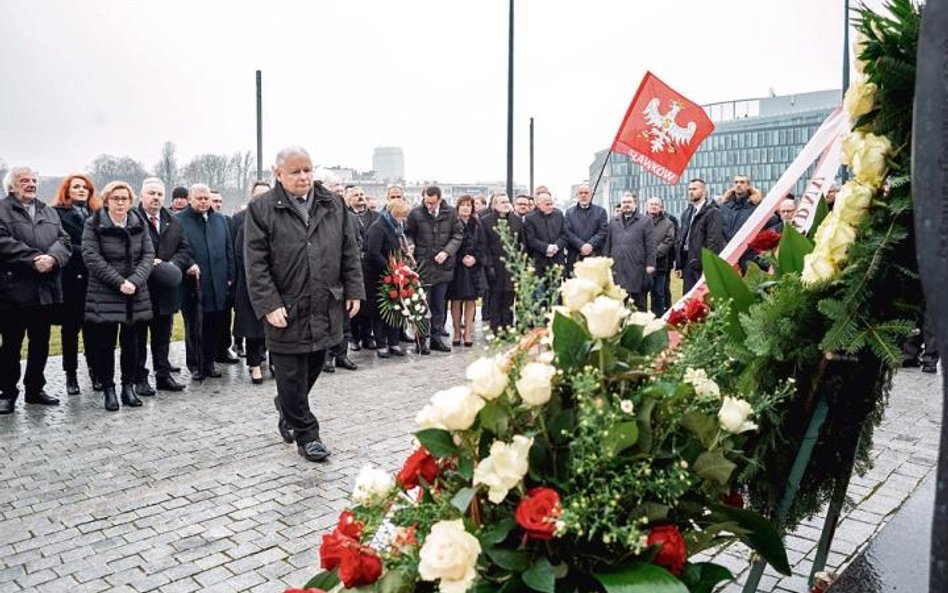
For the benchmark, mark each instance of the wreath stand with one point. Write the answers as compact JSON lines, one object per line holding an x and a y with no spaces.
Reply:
{"x":801,"y":462}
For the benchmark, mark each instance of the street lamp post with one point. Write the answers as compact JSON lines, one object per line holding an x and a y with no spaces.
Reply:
{"x":510,"y":86}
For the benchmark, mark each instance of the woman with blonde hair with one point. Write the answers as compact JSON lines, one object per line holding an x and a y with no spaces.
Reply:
{"x":119,"y":254}
{"x":75,"y":202}
{"x":385,"y":237}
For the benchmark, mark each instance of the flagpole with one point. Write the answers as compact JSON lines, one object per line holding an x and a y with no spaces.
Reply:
{"x":605,"y":162}
{"x":844,"y":176}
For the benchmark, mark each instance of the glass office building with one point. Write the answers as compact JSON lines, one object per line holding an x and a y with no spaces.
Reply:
{"x":755,"y":137}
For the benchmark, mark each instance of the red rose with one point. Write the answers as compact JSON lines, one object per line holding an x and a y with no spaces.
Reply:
{"x":696,"y":310}
{"x":677,"y":318}
{"x":387,"y":279}
{"x":672,"y":554}
{"x":331,"y":550}
{"x":393,"y":294}
{"x":360,"y":566}
{"x":765,"y":241}
{"x":419,"y":464}
{"x":349,"y":526}
{"x":538,"y":511}
{"x":410,"y":291}
{"x":733,"y":499}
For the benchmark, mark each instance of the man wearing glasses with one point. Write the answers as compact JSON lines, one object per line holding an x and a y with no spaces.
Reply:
{"x":586,"y":226}
{"x":33,"y":250}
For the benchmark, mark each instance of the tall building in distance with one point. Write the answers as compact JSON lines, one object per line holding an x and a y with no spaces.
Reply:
{"x":388,"y":162}
{"x":755,"y":137}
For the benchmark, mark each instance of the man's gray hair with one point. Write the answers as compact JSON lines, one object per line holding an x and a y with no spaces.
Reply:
{"x":291,"y":151}
{"x":658,"y":199}
{"x":199,"y":187}
{"x":12,"y":174}
{"x":153,"y":181}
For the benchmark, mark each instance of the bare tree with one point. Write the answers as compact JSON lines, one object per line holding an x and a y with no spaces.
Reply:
{"x":166,"y":168}
{"x":243,"y":164}
{"x":213,"y":169}
{"x":106,"y":168}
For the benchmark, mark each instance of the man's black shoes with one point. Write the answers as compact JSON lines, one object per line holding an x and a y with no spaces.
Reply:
{"x":7,"y":406}
{"x":143,"y":389}
{"x":346,"y":363}
{"x":439,"y":346}
{"x":313,"y":451}
{"x":329,"y":366}
{"x":929,"y":367}
{"x":41,"y":398}
{"x":168,"y":384}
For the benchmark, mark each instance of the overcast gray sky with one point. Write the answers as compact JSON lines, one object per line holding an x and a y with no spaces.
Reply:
{"x":341,"y":77}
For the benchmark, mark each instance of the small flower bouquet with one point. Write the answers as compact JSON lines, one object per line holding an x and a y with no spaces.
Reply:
{"x":402,"y":300}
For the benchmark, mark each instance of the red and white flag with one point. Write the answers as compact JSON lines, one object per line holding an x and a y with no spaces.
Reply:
{"x":662,"y":129}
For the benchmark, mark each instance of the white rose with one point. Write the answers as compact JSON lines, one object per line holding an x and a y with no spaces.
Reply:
{"x":817,"y":268}
{"x":504,"y":468}
{"x":577,"y":292}
{"x":860,"y":99}
{"x":627,"y":406}
{"x":596,"y":269}
{"x":535,"y":384}
{"x":834,"y":237}
{"x":614,"y":291}
{"x":848,"y":146}
{"x":733,"y":416}
{"x":853,"y":201}
{"x":603,"y":316}
{"x":704,"y":385}
{"x":487,"y":376}
{"x":371,"y":485}
{"x":546,"y":357}
{"x":451,"y":409}
{"x":650,"y":324}
{"x":869,"y":162}
{"x":450,"y":554}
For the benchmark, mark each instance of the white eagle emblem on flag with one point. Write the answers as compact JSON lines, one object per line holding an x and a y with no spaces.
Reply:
{"x":665,"y":133}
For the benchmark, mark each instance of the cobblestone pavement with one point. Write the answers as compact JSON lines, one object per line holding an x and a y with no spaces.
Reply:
{"x":195,"y":490}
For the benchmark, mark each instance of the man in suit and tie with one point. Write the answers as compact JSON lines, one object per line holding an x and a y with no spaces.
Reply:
{"x":172,"y":261}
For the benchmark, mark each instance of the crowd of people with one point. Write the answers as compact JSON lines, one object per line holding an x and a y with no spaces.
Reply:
{"x":290,"y":281}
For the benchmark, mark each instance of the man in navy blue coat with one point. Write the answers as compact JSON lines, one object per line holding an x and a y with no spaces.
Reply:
{"x":586,"y":226}
{"x":205,"y":293}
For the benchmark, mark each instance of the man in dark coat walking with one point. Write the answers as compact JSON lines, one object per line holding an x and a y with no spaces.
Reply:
{"x":304,"y":272}
{"x":544,"y":232}
{"x":34,"y":248}
{"x":663,"y":234}
{"x":437,"y":232}
{"x":172,"y":262}
{"x":586,"y":225}
{"x":213,"y":252}
{"x":700,"y":229}
{"x":499,"y":280}
{"x":632,"y":249}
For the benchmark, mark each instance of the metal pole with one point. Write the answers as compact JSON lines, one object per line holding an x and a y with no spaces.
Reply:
{"x":844,"y":171}
{"x":510,"y":99}
{"x":595,"y":187}
{"x":259,"y":125}
{"x":531,"y":156}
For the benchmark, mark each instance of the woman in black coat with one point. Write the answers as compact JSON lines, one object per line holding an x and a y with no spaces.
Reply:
{"x":75,"y":202}
{"x":119,"y":255}
{"x":467,"y":285}
{"x":383,"y":238}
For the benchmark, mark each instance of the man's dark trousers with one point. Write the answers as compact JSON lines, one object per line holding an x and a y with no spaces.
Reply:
{"x":160,"y":330}
{"x":501,"y":309}
{"x":690,"y":277}
{"x":295,"y":376}
{"x":438,"y":302}
{"x":16,"y":324}
{"x":659,"y":286}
